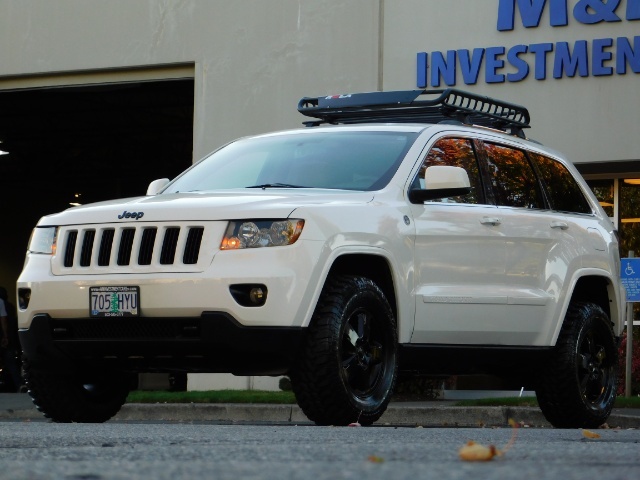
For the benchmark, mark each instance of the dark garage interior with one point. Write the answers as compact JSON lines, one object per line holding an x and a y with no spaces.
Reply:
{"x":84,"y":144}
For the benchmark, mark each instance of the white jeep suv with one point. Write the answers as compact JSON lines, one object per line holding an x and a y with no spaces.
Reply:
{"x":412,"y":232}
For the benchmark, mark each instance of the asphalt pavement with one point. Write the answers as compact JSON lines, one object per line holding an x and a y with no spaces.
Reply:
{"x":18,"y":407}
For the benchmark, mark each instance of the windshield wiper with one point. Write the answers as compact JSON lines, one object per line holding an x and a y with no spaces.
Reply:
{"x":275,"y":185}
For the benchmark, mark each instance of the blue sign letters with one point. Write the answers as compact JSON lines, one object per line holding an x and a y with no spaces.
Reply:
{"x":531,"y":12}
{"x":597,"y":57}
{"x":585,"y":11}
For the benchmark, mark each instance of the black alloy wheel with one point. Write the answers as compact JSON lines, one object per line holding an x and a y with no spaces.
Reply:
{"x":577,"y":384}
{"x":348,"y":365}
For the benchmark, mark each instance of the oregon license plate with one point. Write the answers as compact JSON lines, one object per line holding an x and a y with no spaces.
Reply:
{"x":114,"y":301}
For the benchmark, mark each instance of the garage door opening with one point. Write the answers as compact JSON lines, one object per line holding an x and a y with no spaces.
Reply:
{"x":82,"y":144}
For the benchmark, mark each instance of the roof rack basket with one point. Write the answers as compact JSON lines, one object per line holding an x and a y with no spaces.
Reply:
{"x":416,"y":106}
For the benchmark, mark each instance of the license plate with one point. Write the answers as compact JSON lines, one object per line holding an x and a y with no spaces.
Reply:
{"x":114,"y":301}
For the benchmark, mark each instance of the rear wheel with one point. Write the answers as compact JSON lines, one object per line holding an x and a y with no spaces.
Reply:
{"x":92,"y":397}
{"x":577,"y":387}
{"x":348,"y":368}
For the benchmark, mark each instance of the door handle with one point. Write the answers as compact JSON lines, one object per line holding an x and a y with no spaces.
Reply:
{"x":560,"y":225}
{"x":490,"y":221}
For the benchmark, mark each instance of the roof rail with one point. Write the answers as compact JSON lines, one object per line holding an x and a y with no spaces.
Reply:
{"x":410,"y":106}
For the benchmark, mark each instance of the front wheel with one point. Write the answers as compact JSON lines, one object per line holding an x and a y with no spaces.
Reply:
{"x":92,"y":397}
{"x":348,"y":366}
{"x":577,"y":387}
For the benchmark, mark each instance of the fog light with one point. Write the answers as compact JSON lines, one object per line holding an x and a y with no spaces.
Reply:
{"x":256,"y":296}
{"x":24,"y":297}
{"x":249,"y":295}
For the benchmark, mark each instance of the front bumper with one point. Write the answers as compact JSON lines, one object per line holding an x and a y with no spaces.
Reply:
{"x":213,"y":342}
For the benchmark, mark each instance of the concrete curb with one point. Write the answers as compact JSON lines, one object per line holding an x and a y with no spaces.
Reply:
{"x":397,"y":414}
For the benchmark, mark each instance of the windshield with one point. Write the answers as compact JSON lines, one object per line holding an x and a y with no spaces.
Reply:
{"x":338,"y":160}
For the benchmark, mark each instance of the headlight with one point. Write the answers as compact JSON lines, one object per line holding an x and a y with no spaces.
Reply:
{"x":261,"y":233}
{"x":43,"y":240}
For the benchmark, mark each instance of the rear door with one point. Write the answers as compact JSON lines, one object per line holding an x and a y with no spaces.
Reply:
{"x":536,"y":257}
{"x":583,"y":243}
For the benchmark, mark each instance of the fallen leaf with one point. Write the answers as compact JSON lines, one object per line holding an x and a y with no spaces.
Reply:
{"x":590,"y":434}
{"x":474,"y":452}
{"x":375,"y":459}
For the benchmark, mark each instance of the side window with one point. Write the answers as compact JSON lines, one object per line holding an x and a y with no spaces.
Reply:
{"x":454,"y":152}
{"x":513,"y":180}
{"x":563,"y":191}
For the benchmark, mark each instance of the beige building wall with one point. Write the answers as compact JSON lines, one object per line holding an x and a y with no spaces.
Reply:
{"x":252,"y":59}
{"x":590,"y":119}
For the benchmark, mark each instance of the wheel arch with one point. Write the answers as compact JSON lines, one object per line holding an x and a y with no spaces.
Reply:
{"x":375,"y":267}
{"x":595,"y":287}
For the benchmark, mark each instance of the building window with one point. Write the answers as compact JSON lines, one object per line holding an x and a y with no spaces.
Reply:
{"x":620,"y":199}
{"x":629,"y":226}
{"x":605,"y":193}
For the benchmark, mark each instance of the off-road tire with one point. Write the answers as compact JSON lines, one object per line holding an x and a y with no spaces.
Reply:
{"x":577,"y":384}
{"x":348,"y":366}
{"x":68,"y":398}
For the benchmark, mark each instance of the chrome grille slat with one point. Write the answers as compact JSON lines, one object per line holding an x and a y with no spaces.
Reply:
{"x":105,"y":247}
{"x":87,"y":248}
{"x":126,"y":244}
{"x":69,"y":251}
{"x":192,"y":247}
{"x":169,"y":245}
{"x":145,"y":253}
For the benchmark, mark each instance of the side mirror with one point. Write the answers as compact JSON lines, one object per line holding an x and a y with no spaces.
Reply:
{"x":441,"y":182}
{"x":157,"y":185}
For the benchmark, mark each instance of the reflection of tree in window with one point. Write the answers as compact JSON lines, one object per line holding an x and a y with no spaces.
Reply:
{"x":514,"y":183}
{"x":455,"y":152}
{"x":563,"y":191}
{"x":603,"y":190}
{"x":629,"y":218}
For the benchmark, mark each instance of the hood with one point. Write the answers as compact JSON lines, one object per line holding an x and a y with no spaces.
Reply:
{"x":204,"y":206}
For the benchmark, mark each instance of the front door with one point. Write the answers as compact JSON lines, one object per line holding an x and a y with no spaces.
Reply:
{"x":460,"y":257}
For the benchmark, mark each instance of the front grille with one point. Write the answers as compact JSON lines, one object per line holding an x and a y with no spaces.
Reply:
{"x":112,"y":248}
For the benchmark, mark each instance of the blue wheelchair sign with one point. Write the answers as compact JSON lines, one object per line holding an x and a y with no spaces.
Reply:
{"x":630,"y":276}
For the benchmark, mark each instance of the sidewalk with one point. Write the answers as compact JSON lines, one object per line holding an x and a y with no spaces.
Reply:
{"x":18,"y":406}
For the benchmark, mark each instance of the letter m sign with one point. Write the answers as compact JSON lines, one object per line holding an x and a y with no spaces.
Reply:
{"x":531,"y":12}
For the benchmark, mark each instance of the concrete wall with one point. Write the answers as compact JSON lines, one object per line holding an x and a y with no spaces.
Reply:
{"x":253,"y":59}
{"x":591,"y":119}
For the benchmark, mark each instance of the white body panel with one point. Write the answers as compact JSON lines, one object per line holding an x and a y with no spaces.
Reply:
{"x":458,"y":276}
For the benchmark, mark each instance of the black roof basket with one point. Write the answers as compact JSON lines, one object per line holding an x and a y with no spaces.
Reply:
{"x":416,"y":106}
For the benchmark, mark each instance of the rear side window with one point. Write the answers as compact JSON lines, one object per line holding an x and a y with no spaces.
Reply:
{"x":563,"y":191}
{"x":454,"y":152}
{"x":514,"y":182}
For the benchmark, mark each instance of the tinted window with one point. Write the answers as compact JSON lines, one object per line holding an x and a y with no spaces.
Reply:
{"x":563,"y":191}
{"x":454,"y":152}
{"x":513,"y":179}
